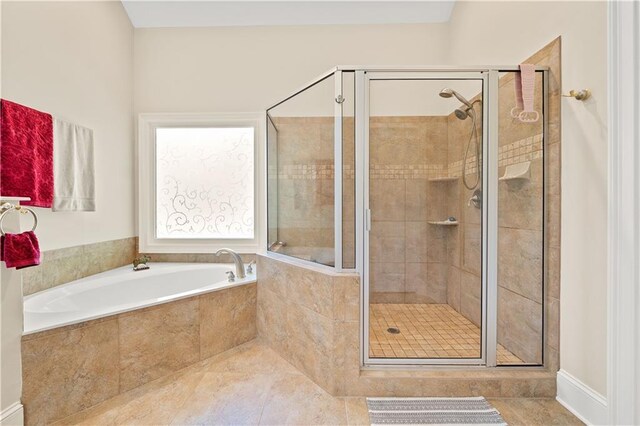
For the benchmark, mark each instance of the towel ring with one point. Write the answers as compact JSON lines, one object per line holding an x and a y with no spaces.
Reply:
{"x":19,"y":209}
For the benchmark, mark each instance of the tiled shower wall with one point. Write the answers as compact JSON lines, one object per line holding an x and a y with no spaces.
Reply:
{"x":520,"y":230}
{"x":520,"y":225}
{"x":305,"y":209}
{"x":464,"y":242}
{"x":407,"y":255}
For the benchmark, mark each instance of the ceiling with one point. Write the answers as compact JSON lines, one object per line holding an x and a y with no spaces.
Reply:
{"x":155,"y":14}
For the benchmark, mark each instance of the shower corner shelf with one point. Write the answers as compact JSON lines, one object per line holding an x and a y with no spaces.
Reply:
{"x":520,"y":171}
{"x":444,"y":223}
{"x":444,"y":179}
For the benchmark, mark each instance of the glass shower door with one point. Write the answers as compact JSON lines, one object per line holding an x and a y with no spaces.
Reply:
{"x":423,"y":240}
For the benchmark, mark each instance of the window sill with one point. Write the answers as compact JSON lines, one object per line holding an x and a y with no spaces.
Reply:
{"x":197,"y":248}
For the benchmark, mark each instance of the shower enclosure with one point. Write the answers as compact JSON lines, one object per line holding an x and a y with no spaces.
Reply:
{"x":426,"y":183}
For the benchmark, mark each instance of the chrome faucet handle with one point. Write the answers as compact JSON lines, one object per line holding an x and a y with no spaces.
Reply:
{"x":250,"y":267}
{"x":237,"y":260}
{"x":231,"y":275}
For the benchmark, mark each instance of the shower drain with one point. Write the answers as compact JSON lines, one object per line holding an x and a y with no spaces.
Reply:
{"x":393,"y":330}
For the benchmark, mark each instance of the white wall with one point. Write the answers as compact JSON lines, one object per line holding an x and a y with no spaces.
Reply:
{"x":10,"y":336}
{"x":248,"y":69}
{"x":75,"y":60}
{"x":509,"y":32}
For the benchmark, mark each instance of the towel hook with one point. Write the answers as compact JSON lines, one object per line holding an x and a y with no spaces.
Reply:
{"x":580,"y":95}
{"x":7,"y":207}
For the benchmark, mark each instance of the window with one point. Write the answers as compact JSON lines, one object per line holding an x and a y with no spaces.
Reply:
{"x":197,"y":183}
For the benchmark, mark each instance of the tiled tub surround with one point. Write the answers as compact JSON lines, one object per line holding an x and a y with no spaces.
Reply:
{"x":122,"y":290}
{"x":312,"y":320}
{"x":63,"y":265}
{"x":198,"y":257}
{"x":68,"y":369}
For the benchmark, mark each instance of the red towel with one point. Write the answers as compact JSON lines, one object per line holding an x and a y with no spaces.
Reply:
{"x":20,"y":250}
{"x":26,"y":154}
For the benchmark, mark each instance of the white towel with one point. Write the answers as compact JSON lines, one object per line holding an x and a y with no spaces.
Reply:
{"x":73,"y":167}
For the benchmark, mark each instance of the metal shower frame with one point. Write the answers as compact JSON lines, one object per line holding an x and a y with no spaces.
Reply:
{"x":489,"y":75}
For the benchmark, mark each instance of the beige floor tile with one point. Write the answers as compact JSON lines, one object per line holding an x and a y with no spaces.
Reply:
{"x":296,"y":400}
{"x":154,"y":403}
{"x":357,"y":411}
{"x":534,"y":412}
{"x":252,"y":357}
{"x":253,"y":385}
{"x":226,"y":399}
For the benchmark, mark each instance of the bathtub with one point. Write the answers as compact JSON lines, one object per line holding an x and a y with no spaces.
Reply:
{"x":121,"y":290}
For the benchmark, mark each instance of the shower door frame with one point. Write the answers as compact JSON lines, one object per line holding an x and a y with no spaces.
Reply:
{"x":490,"y":76}
{"x":486,"y":354}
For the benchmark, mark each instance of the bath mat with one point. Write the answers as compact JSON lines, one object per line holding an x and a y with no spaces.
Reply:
{"x":433,"y":411}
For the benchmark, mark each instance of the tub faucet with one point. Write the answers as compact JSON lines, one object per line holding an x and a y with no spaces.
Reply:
{"x":236,"y":259}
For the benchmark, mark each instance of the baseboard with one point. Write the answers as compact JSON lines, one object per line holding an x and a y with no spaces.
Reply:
{"x":585,"y":403}
{"x":12,"y":416}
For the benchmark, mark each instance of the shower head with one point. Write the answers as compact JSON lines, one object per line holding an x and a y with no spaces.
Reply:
{"x":447,"y":93}
{"x":461,"y":113}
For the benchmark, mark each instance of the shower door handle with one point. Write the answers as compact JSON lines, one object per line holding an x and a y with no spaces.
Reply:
{"x":367,"y":219}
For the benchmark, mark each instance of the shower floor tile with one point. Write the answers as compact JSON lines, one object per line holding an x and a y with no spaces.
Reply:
{"x":426,"y":331}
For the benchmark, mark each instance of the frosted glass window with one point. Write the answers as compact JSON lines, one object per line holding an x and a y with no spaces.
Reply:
{"x":205,"y":183}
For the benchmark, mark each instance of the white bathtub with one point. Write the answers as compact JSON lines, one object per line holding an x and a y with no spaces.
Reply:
{"x":121,"y":290}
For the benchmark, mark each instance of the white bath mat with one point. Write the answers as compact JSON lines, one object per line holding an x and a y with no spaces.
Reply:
{"x":433,"y":411}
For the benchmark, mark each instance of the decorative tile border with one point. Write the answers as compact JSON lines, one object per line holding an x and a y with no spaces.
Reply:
{"x":522,"y":150}
{"x":405,"y":171}
{"x":306,"y":171}
{"x":526,"y":149}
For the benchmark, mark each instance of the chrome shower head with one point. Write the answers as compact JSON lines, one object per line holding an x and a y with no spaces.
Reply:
{"x":461,"y":114}
{"x":447,"y":93}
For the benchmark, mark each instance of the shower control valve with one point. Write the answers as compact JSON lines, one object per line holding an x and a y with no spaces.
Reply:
{"x":476,"y":199}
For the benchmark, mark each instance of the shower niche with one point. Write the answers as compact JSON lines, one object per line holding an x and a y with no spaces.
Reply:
{"x":395,"y":174}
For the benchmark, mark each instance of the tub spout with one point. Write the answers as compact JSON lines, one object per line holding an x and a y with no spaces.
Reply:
{"x":236,"y":259}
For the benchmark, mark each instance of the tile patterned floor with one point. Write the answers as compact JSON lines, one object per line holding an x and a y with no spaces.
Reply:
{"x":426,"y":331}
{"x":253,"y":385}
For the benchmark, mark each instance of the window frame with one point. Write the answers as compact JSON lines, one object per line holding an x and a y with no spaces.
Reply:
{"x":146,"y":191}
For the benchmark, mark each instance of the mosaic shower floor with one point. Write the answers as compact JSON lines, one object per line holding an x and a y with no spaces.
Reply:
{"x":426,"y":331}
